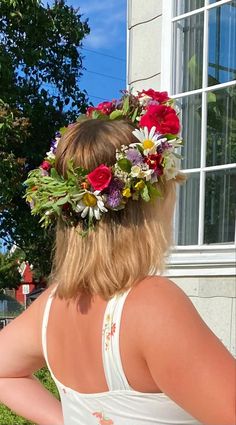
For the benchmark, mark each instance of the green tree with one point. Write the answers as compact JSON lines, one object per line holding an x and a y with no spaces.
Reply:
{"x":40,"y":67}
{"x":9,"y":274}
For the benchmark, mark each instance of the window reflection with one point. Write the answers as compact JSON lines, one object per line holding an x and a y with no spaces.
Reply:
{"x":222,"y":44}
{"x":221,"y":127}
{"x":188,"y":61}
{"x":190,"y":108}
{"x":220,"y":205}
{"x":187,"y":211}
{"x":185,"y":6}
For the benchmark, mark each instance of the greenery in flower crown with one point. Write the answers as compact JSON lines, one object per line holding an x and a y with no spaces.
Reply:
{"x":85,"y":197}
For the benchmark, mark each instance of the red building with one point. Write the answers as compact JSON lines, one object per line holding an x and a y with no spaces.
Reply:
{"x":26,"y":279}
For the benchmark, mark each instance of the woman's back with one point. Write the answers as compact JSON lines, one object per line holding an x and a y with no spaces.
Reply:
{"x":111,"y":188}
{"x":94,"y":353}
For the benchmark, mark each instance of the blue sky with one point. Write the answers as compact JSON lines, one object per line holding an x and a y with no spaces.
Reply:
{"x":104,"y":49}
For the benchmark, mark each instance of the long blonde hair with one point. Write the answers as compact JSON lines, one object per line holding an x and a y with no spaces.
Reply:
{"x":126,"y":245}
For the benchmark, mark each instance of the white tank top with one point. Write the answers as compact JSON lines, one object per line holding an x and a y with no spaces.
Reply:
{"x":121,"y":405}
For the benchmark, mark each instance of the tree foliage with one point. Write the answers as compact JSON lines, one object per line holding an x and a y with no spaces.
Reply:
{"x":9,"y":274}
{"x":40,"y":67}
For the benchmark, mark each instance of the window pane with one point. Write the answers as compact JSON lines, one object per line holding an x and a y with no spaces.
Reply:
{"x":187,"y":211}
{"x":188,"y":48}
{"x":190,"y":107}
{"x":222,"y":44}
{"x":184,"y":6}
{"x":220,"y":204}
{"x":221,"y":126}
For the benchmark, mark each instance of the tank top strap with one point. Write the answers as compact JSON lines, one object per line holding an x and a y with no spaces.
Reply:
{"x":115,"y":376}
{"x":44,"y":327}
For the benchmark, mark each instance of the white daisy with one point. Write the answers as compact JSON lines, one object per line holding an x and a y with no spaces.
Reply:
{"x":148,"y":139}
{"x":91,"y":204}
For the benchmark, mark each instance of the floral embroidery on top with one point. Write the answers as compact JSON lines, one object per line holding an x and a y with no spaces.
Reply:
{"x":102,"y":419}
{"x":108,"y":330}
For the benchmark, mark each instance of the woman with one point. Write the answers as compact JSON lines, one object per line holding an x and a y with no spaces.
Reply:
{"x":123,"y":345}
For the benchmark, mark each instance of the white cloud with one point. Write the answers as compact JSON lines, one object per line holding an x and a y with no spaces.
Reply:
{"x":105,"y":20}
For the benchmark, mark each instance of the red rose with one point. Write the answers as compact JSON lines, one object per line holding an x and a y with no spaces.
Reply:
{"x":159,"y":96}
{"x":46,"y":165}
{"x":162,"y":117}
{"x":100,"y":177}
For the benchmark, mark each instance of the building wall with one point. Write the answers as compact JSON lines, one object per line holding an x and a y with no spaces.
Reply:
{"x":213,"y":294}
{"x":144,"y":43}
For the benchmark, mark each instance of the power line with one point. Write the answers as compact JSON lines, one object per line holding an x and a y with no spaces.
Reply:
{"x":104,"y":75}
{"x":103,"y":54}
{"x":96,"y":97}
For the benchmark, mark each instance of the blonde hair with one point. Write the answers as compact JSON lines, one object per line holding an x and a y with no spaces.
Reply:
{"x":126,"y":245}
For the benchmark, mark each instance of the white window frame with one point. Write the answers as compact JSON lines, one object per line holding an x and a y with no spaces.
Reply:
{"x":201,"y":259}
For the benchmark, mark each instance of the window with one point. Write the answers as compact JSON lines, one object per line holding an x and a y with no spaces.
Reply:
{"x":202,"y":39}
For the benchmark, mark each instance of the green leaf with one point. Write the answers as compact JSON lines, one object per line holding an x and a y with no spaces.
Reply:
{"x":126,"y":105}
{"x":145,"y":194}
{"x":54,"y":174}
{"x":153,"y":191}
{"x":134,"y":116}
{"x":63,"y":130}
{"x":116,"y":114}
{"x":98,"y":115}
{"x":170,"y":136}
{"x":125,"y":165}
{"x":56,"y":209}
{"x":62,"y":201}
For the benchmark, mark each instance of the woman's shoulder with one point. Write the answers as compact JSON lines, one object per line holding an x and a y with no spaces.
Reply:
{"x":161,"y":307}
{"x":158,"y":290}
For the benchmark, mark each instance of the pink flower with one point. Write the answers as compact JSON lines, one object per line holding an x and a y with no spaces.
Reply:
{"x":104,"y":107}
{"x":90,"y":110}
{"x":46,"y":165}
{"x":159,"y":96}
{"x":164,"y":118}
{"x":100,"y":177}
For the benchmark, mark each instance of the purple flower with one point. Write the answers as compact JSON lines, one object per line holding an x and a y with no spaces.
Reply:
{"x":114,"y":192}
{"x":115,"y":184}
{"x":134,"y":156}
{"x":53,"y":146}
{"x":114,"y":199}
{"x":163,"y":147}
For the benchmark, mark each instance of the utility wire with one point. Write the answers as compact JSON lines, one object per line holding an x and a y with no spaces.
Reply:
{"x":103,"y":54}
{"x":96,"y":97}
{"x":104,"y":75}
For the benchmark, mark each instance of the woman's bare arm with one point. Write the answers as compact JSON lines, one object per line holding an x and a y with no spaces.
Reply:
{"x":187,"y":361}
{"x":21,"y":355}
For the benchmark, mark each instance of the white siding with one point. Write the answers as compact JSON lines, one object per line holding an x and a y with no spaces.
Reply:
{"x":144,"y":58}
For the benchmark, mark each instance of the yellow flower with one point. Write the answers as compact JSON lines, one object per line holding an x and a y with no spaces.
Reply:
{"x":126,"y":192}
{"x":89,"y":200}
{"x":140,"y":185}
{"x":148,"y":144}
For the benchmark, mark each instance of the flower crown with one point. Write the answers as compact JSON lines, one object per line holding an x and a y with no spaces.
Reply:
{"x":85,"y":196}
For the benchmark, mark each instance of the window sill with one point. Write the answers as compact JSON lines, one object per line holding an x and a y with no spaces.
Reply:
{"x":205,"y":260}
